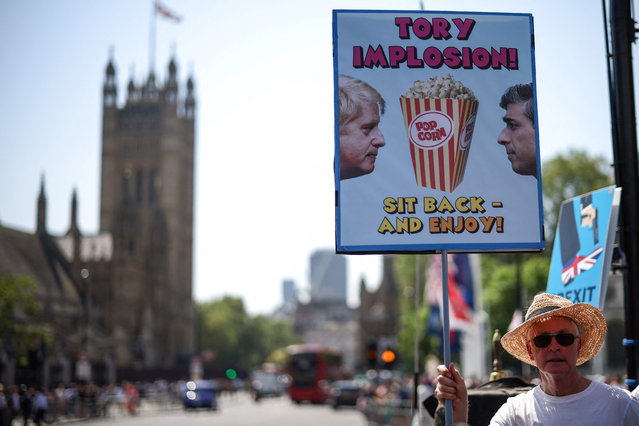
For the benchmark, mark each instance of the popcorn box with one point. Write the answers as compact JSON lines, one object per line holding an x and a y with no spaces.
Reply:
{"x":439,"y":133}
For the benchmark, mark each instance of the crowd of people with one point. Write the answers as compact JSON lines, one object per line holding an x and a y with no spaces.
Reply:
{"x":30,"y":405}
{"x":389,"y":401}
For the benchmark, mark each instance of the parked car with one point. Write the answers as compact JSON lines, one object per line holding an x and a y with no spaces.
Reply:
{"x":266,"y":384}
{"x":199,"y":394}
{"x":344,"y":392}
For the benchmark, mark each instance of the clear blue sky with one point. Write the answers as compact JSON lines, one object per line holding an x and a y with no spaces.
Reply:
{"x":260,"y":211}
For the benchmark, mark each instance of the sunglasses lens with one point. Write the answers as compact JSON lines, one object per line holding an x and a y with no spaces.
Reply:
{"x":542,"y":340}
{"x":565,"y":339}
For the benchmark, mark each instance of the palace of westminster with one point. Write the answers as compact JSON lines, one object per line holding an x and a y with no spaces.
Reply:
{"x":123,"y":297}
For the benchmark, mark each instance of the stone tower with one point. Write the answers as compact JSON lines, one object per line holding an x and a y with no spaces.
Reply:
{"x":379,"y":311}
{"x":146,"y":204}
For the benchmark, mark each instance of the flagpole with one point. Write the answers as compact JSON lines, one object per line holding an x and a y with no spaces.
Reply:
{"x":446,"y":330}
{"x":152,"y":39}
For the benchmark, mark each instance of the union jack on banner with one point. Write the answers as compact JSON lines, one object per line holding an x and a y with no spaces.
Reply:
{"x":579,"y":264}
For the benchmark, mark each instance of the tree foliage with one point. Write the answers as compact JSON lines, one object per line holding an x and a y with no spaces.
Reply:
{"x":18,"y":307}
{"x":510,"y":281}
{"x":235,"y":338}
{"x":405,"y":270}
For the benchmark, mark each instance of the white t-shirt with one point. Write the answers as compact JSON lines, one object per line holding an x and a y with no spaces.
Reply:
{"x":599,"y":404}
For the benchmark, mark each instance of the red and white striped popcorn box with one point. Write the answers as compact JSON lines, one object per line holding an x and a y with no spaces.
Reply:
{"x":439,"y":134}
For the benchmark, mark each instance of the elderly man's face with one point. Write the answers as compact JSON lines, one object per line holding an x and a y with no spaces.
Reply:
{"x":518,"y":137}
{"x":360,"y":140}
{"x":554,"y":359}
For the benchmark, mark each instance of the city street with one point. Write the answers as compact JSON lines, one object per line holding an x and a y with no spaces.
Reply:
{"x":240,"y":409}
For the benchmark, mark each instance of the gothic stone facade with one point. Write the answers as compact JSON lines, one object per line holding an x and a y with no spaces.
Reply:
{"x":379,"y":312}
{"x":147,"y":206}
{"x":121,"y":298}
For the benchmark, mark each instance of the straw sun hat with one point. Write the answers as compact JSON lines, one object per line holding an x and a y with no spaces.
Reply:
{"x":590,"y":322}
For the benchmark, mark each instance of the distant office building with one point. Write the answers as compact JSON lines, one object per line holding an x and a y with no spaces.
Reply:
{"x":328,"y":277}
{"x":326,"y":319}
{"x":289,"y":292}
{"x":286,"y":310}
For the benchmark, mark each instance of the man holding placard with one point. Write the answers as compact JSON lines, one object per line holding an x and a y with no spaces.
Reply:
{"x":556,"y":337}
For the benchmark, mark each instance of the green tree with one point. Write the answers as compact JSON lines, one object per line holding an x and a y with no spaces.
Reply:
{"x":18,"y":309}
{"x":509,"y":282}
{"x":221,"y":324}
{"x":235,"y":338}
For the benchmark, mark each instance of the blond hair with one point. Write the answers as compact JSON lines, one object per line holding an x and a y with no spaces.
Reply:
{"x":353,"y":93}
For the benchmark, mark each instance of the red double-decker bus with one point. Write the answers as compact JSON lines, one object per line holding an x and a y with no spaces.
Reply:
{"x":312,"y":368}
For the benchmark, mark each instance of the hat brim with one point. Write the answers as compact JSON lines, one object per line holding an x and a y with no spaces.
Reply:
{"x":592,"y":329}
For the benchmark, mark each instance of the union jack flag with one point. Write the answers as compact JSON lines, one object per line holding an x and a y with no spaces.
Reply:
{"x":579,"y":264}
{"x":164,"y":11}
{"x":461,"y":315}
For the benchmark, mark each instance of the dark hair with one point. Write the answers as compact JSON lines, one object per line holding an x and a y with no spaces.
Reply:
{"x":519,"y":94}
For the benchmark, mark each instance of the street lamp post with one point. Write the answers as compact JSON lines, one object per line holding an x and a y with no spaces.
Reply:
{"x":84,"y":273}
{"x":83,"y":364}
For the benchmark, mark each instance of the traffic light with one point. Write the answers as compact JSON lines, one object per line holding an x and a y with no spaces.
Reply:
{"x":371,"y":354}
{"x":388,"y":358}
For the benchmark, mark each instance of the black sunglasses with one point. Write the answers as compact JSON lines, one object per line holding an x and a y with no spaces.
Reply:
{"x":564,"y":339}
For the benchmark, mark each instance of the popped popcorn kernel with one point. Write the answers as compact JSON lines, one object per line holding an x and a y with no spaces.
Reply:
{"x":440,"y":87}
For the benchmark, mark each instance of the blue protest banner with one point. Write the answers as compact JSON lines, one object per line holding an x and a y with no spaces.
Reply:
{"x":583,"y":247}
